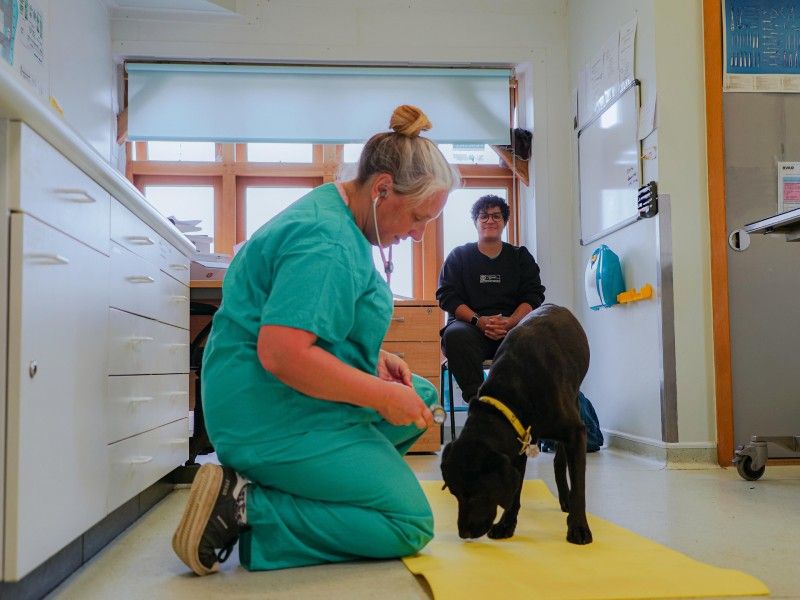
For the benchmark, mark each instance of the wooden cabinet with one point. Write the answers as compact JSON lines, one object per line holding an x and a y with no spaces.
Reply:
{"x":414,"y":336}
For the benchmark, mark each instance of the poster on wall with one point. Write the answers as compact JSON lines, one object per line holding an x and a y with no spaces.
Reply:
{"x":22,"y":41}
{"x":761,"y":45}
{"x":788,"y":186}
{"x":610,"y":71}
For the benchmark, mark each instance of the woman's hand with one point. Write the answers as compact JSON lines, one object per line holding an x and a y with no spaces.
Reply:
{"x":400,"y":405}
{"x":393,"y":368}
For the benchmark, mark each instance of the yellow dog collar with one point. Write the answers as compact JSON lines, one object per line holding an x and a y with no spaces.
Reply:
{"x":523,"y":433}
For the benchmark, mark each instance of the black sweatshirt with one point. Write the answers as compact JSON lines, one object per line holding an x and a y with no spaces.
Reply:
{"x":489,"y":286}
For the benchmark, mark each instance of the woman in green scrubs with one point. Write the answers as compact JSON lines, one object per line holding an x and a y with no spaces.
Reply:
{"x":309,"y":418}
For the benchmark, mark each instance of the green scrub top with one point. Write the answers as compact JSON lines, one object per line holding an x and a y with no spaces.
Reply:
{"x":310,"y":268}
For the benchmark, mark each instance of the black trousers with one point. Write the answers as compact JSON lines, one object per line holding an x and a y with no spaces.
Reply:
{"x":466,"y":348}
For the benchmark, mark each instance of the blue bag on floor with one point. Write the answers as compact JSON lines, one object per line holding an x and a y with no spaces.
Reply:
{"x":594,"y":437}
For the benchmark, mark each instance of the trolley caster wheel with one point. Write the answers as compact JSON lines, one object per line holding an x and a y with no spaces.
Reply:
{"x":744,"y":466}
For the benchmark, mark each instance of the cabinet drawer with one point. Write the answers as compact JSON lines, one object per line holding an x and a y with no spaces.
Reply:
{"x":137,"y":403}
{"x":130,"y":232}
{"x":173,"y":301}
{"x":55,"y":447}
{"x":140,"y":346}
{"x":134,"y":283}
{"x":55,"y":191}
{"x":141,"y":460}
{"x":415,"y":323}
{"x":173,"y":262}
{"x":430,"y":441}
{"x":422,"y":357}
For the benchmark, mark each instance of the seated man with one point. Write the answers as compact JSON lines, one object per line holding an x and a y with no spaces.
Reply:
{"x":486,"y":288}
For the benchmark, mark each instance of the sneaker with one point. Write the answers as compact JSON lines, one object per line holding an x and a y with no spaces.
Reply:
{"x":208,"y":530}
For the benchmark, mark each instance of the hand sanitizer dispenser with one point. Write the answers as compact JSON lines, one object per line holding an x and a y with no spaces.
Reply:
{"x":603,"y":278}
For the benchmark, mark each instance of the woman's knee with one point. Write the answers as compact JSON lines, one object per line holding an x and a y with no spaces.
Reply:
{"x":425,"y":390}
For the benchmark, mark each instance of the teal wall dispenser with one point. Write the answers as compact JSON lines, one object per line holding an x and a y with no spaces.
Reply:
{"x":603,"y":279}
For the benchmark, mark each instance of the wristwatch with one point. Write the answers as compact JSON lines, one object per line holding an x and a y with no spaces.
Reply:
{"x":474,"y":319}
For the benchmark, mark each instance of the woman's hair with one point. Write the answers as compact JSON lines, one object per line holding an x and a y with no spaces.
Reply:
{"x":416,"y":164}
{"x":484,"y":203}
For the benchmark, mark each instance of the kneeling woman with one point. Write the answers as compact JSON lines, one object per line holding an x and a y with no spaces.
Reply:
{"x":308,"y":416}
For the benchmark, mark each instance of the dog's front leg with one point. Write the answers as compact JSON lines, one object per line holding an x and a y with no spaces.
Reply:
{"x":578,"y":531}
{"x":560,"y":469}
{"x":507,"y":524}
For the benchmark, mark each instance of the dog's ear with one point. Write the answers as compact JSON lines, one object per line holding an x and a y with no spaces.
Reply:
{"x":446,"y":451}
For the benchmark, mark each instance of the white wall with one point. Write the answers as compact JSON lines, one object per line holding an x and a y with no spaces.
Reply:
{"x":529,"y":34}
{"x":625,"y":376}
{"x":80,"y":74}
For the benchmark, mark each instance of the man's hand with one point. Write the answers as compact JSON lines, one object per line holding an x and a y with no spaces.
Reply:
{"x":393,"y":368}
{"x":495,"y":327}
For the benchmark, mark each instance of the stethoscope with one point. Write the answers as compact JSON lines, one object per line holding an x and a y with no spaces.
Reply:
{"x":439,"y":414}
{"x":388,"y":265}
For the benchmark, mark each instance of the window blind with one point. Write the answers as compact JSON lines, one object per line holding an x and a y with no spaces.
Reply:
{"x":333,"y":105}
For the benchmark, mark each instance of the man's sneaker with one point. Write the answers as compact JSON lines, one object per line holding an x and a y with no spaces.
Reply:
{"x":208,"y":530}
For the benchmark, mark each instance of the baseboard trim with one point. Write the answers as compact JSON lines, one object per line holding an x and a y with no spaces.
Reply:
{"x":673,"y":455}
{"x":47,"y":576}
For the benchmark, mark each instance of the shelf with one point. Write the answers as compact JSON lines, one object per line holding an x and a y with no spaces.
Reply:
{"x":517,"y":165}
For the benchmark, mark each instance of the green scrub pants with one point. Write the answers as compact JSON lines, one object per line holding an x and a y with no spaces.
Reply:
{"x":332,"y":495}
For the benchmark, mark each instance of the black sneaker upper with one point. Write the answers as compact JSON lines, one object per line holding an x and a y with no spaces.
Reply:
{"x":222,"y":530}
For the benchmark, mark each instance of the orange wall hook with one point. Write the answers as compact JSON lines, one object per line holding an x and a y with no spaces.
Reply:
{"x":634,"y":296}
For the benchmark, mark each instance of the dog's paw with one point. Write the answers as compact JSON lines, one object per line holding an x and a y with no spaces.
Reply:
{"x":579,"y":534}
{"x":501,"y":531}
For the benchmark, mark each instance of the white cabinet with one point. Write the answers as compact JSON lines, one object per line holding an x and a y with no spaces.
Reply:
{"x":94,"y":348}
{"x":56,"y":473}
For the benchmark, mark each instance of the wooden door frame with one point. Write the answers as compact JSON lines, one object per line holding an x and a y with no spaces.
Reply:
{"x":715,"y":148}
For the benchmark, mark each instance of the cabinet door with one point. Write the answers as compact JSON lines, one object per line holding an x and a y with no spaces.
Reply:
{"x":56,"y":459}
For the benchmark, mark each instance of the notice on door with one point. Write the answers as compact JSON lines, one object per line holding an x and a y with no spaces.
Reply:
{"x":788,"y":186}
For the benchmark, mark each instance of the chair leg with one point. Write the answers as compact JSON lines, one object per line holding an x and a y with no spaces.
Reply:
{"x":452,"y":405}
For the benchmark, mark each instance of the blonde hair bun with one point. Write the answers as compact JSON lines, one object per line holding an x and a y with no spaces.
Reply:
{"x":409,"y":121}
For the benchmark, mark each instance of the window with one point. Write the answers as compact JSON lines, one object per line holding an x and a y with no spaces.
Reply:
{"x":263,"y":203}
{"x":186,"y":202}
{"x":235,"y":188}
{"x":181,"y":151}
{"x":280,"y":153}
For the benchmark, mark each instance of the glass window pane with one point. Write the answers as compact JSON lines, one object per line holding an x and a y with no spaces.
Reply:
{"x":185,"y":203}
{"x":403,"y":275}
{"x":470,"y":154}
{"x":183,"y":151}
{"x":286,"y":153}
{"x":457,"y":223}
{"x":263,"y":203}
{"x":352,"y":152}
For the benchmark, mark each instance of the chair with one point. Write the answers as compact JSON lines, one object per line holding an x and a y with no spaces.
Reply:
{"x":450,"y":403}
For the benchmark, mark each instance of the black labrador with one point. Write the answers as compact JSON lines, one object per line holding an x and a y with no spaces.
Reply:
{"x":535,"y":377}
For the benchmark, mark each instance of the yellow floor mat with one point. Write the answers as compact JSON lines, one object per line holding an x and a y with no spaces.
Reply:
{"x":539,"y":563}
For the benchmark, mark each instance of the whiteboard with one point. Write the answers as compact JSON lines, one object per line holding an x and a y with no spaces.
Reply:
{"x":609,"y":167}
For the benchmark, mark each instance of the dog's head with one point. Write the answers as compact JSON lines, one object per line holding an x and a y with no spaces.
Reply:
{"x":481,"y":479}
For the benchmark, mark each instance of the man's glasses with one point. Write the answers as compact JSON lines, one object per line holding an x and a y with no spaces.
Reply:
{"x":484,"y":217}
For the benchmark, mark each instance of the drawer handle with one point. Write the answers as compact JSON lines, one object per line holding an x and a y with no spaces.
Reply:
{"x":140,"y":279}
{"x":140,"y":240}
{"x":399,"y":319}
{"x":179,"y":267}
{"x":139,"y":399}
{"x":138,"y":339}
{"x":398,"y":354}
{"x":48,"y":259}
{"x":177,"y":394}
{"x":179,"y":298}
{"x":140,"y":460}
{"x":177,"y":345}
{"x":79,"y":196}
{"x":178,"y":441}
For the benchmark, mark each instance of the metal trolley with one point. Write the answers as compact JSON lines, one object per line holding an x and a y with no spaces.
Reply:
{"x":751,"y":458}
